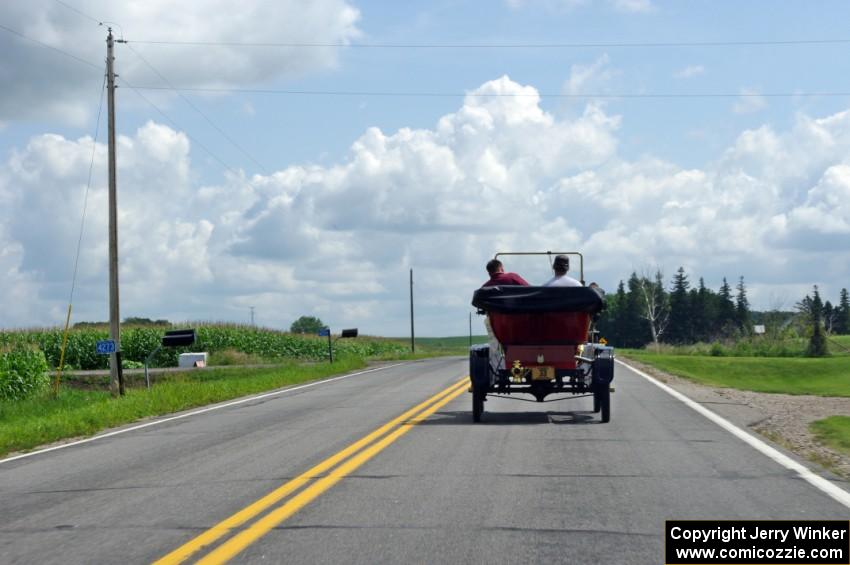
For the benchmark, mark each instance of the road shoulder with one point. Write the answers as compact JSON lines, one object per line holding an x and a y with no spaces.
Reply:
{"x":783,"y":419}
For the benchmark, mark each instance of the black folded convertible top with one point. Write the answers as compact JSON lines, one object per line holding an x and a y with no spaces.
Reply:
{"x":529,"y":299}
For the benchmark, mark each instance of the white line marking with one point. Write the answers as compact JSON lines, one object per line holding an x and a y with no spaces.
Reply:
{"x":834,"y":491}
{"x":194,"y":413}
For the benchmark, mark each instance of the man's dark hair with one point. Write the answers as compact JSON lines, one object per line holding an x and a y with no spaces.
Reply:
{"x":561,"y":264}
{"x":493,"y":266}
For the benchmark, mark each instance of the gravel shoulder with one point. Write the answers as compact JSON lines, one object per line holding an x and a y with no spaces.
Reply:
{"x":781,"y":418}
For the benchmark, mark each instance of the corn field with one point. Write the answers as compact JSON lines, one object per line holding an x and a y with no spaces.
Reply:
{"x":137,"y":343}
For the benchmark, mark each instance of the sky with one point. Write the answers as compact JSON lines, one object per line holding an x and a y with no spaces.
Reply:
{"x":301,"y":157}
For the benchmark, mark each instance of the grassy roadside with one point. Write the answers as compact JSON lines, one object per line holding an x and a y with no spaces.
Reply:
{"x":833,"y":432}
{"x":828,"y":376}
{"x":74,"y":413}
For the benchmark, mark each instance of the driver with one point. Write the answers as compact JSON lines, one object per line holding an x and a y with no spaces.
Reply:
{"x":560,"y":266}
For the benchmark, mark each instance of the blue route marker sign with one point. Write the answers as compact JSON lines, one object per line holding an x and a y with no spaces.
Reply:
{"x":105,"y":347}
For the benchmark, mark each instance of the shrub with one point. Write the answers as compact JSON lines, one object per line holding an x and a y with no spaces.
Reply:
{"x":717,"y":350}
{"x":23,"y":373}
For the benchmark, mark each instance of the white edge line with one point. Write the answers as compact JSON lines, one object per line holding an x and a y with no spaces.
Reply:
{"x":832,"y":490}
{"x":194,"y":413}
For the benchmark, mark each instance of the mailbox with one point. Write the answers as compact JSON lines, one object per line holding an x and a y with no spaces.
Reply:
{"x":178,"y":338}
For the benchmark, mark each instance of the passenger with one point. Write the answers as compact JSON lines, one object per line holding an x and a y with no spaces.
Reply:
{"x":597,"y":288}
{"x":498,"y":276}
{"x":561,"y":265}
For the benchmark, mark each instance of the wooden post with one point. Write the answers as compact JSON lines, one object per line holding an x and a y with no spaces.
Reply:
{"x":412,"y":344}
{"x":116,"y":380}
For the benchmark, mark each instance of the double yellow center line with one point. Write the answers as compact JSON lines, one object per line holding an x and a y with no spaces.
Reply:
{"x":319,"y":478}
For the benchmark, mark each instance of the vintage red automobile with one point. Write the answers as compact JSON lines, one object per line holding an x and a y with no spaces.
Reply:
{"x":545,"y":344}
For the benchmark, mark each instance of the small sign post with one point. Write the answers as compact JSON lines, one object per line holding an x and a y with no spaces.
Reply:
{"x":105,"y":347}
{"x":327,"y":332}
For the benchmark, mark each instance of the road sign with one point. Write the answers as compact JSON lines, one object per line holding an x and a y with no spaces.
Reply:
{"x":105,"y":347}
{"x":324,"y":331}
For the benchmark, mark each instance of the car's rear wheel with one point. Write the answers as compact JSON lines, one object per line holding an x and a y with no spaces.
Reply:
{"x":604,"y":402}
{"x":477,"y":403}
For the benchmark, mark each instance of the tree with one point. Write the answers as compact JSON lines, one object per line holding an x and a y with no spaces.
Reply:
{"x":725,"y":309}
{"x":306,"y":325}
{"x":742,"y":308}
{"x":830,"y":316}
{"x":656,"y":307}
{"x":817,"y":341}
{"x":609,"y":322}
{"x":842,"y":322}
{"x":134,"y":321}
{"x":635,"y":330}
{"x":679,"y":329}
{"x":702,"y":312}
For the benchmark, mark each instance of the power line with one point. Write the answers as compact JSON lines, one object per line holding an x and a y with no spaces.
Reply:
{"x":829,"y":94}
{"x":72,"y":56}
{"x":198,"y":110}
{"x":73,"y":9}
{"x":594,"y":45}
{"x":501,"y":94}
{"x":178,"y":126}
{"x":88,"y":187}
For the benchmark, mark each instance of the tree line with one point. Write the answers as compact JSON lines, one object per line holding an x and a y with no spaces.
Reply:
{"x":643,"y":310}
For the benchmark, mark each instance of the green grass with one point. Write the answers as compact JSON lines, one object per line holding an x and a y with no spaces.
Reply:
{"x":73,"y":413}
{"x":833,"y":432}
{"x":828,"y":376}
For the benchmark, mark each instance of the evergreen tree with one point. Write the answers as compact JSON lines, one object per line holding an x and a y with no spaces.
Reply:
{"x":636,"y":331}
{"x":725,"y":310}
{"x":708,"y":302}
{"x":817,"y":342}
{"x":701,"y":309}
{"x":742,"y":308}
{"x":608,"y":323}
{"x":680,"y":330}
{"x":842,"y":322}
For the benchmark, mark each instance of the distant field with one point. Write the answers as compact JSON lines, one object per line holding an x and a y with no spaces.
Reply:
{"x":459,"y":344}
{"x":828,"y":376}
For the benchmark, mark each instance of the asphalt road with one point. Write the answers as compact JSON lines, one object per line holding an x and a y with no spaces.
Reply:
{"x":534,"y":483}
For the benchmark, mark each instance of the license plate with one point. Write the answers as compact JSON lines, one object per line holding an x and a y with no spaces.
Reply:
{"x":542,"y":373}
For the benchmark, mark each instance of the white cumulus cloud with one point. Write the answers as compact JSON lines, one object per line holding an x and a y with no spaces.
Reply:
{"x":48,"y":84}
{"x":499,"y":173}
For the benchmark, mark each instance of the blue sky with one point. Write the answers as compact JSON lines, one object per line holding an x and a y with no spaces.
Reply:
{"x":726,"y":186}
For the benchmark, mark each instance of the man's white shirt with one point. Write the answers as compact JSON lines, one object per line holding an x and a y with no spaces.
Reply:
{"x":562,"y":280}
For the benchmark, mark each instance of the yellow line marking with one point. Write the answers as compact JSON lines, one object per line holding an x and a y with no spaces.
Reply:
{"x":222,"y":528}
{"x":261,"y":527}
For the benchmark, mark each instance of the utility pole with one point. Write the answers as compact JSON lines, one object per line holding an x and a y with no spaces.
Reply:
{"x":412,"y":345}
{"x":252,"y":315}
{"x":116,"y":380}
